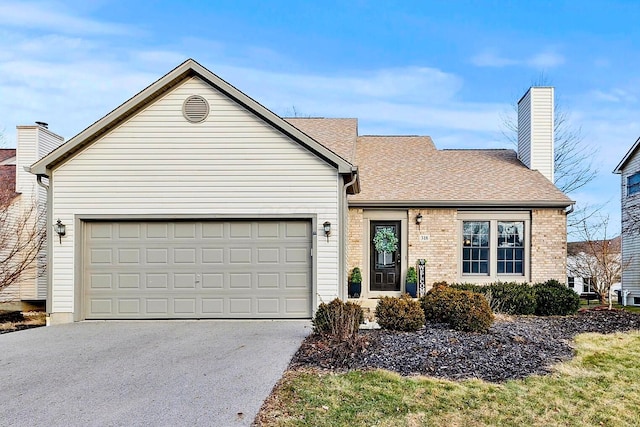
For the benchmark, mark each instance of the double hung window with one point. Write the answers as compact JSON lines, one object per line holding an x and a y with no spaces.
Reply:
{"x":495,"y":247}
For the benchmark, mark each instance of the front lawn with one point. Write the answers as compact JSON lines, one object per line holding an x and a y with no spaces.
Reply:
{"x":599,"y":387}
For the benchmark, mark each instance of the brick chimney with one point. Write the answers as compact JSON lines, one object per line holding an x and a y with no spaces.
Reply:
{"x":535,"y":130}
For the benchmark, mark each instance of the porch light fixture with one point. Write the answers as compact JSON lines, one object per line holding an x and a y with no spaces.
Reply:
{"x":60,"y":229}
{"x":419,"y":220}
{"x":327,"y":229}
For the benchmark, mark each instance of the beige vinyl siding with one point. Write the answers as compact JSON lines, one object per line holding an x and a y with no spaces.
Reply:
{"x":157,"y":163}
{"x":47,"y":142}
{"x":630,"y":239}
{"x":34,"y":142}
{"x":26,"y":154}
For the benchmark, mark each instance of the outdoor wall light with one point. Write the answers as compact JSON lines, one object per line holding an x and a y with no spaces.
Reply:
{"x":419,"y":220}
{"x":327,"y":229}
{"x":60,"y":229}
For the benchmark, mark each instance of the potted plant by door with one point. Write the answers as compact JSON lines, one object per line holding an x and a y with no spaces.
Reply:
{"x":411,"y":283}
{"x":355,"y":283}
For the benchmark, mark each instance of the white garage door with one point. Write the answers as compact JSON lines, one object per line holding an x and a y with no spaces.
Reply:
{"x":197,"y":269}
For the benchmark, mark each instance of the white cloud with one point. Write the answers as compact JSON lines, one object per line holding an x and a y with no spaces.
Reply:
{"x":52,"y":16}
{"x":546,"y":59}
{"x":492,"y":59}
{"x":615,"y":95}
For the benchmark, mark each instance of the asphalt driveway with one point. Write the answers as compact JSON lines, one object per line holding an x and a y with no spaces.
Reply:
{"x":160,"y":373}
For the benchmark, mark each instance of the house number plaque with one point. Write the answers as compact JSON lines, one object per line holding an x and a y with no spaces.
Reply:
{"x":422,"y":266}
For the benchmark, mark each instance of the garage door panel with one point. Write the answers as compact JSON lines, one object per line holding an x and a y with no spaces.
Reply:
{"x":198,"y":269}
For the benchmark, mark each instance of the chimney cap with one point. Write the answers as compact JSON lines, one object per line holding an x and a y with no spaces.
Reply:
{"x":43,"y":124}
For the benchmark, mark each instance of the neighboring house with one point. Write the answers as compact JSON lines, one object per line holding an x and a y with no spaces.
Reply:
{"x":23,"y":204}
{"x":629,"y":170}
{"x":584,"y":270}
{"x":192,"y":200}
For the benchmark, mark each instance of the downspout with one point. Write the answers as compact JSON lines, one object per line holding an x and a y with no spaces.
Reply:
{"x":567,"y":213}
{"x":345,"y":235}
{"x":49,"y":206}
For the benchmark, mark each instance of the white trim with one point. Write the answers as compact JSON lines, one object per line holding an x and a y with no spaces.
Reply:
{"x":493,"y":218}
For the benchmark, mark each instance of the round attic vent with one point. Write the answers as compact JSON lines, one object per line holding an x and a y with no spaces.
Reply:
{"x":195,"y":109}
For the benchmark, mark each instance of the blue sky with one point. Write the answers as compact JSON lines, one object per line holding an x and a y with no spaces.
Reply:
{"x":448,"y":69}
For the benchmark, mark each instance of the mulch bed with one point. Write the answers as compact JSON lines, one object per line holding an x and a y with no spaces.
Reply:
{"x":514,"y":347}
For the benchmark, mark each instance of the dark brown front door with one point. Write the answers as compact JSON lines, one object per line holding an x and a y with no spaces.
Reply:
{"x":385,"y":266}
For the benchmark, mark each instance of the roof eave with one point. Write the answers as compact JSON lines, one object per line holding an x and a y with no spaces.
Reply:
{"x":462,"y":203}
{"x":618,"y":169}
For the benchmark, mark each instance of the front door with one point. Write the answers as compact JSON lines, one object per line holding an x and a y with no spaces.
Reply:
{"x":385,"y":256}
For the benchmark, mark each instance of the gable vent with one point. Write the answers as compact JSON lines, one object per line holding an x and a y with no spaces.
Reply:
{"x":195,"y":109}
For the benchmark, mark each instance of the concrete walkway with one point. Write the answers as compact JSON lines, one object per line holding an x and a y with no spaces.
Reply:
{"x":160,"y":373}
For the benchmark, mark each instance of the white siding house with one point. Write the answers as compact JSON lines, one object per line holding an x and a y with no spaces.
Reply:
{"x":238,"y":196}
{"x":629,"y":171}
{"x":29,"y":204}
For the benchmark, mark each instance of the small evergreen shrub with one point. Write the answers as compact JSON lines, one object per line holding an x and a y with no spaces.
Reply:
{"x":356,"y":275}
{"x":507,"y":298}
{"x":399,"y":314}
{"x":470,"y":312}
{"x":437,"y":302}
{"x":555,"y":299}
{"x":412,"y":275}
{"x":462,"y":310}
{"x":339,"y":320}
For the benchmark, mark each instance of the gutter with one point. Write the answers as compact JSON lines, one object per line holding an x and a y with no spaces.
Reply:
{"x":344,"y":211}
{"x":462,"y":203}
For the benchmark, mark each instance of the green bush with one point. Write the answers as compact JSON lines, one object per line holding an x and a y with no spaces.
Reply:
{"x":508,"y":298}
{"x":356,"y":275}
{"x":462,"y":310}
{"x":470,"y":312}
{"x":437,"y":303}
{"x":399,"y":314}
{"x":555,"y":299}
{"x":338,"y":319}
{"x":412,"y":275}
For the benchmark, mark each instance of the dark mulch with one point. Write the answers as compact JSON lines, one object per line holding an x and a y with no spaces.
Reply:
{"x":11,"y":316}
{"x":514,"y":348}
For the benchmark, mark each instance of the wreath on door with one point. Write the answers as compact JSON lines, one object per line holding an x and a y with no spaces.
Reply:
{"x":385,"y":240}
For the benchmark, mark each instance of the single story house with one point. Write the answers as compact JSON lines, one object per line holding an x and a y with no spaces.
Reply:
{"x":629,"y":171}
{"x":192,"y":200}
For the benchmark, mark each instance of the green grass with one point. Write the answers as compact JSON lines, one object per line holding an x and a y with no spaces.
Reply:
{"x":599,"y":387}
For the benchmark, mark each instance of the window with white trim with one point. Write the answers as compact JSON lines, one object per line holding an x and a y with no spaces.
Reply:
{"x":571,"y":281}
{"x":494,"y":246}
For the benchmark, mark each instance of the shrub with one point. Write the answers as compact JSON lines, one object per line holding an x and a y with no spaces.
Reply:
{"x":412,"y":275}
{"x":338,"y":319}
{"x":399,"y":314}
{"x":555,"y":299}
{"x":437,"y":302}
{"x":462,"y":310}
{"x":470,"y":312}
{"x":356,"y":275}
{"x":508,"y":298}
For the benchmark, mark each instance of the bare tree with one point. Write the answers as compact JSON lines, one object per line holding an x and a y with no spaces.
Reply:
{"x":597,"y":257}
{"x":22,"y":236}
